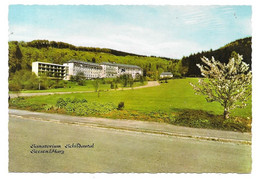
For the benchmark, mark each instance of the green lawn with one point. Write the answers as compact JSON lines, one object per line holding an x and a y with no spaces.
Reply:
{"x":73,"y":88}
{"x":168,"y":97}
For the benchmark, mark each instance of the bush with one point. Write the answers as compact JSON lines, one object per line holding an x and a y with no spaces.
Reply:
{"x":68,"y":100}
{"x":14,"y":87}
{"x":82,"y":83}
{"x":121,"y":105}
{"x":59,"y":84}
{"x":89,"y":108}
{"x":83,"y":107}
{"x":23,"y":79}
{"x":84,"y":101}
{"x":76,"y":100}
{"x":61,"y":103}
{"x":112,"y":86}
{"x":21,"y":103}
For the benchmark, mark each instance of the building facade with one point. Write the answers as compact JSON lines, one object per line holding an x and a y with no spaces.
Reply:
{"x":111,"y":70}
{"x":133,"y":70}
{"x":90,"y":70}
{"x":51,"y":70}
{"x":166,"y":75}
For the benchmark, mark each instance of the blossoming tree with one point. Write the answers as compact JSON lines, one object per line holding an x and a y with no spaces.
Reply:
{"x":229,"y":84}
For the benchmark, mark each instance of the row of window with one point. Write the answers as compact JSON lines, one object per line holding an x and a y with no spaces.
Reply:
{"x":51,"y":66}
{"x":52,"y":74}
{"x":53,"y":70}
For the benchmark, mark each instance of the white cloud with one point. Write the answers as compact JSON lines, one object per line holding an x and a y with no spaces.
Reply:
{"x":28,"y":33}
{"x":179,"y":34}
{"x":126,"y":38}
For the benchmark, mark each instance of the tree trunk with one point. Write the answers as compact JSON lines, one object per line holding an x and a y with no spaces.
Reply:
{"x":226,"y":114}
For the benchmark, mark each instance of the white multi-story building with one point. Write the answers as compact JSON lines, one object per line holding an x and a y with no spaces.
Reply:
{"x":90,"y":70}
{"x":111,"y":70}
{"x":129,"y":69}
{"x":49,"y":69}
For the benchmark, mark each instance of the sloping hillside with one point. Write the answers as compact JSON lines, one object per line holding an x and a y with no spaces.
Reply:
{"x":22,"y":54}
{"x":241,"y":46}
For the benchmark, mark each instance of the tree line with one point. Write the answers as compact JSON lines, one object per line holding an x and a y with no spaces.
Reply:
{"x":46,"y":44}
{"x":22,"y":54}
{"x":241,"y":46}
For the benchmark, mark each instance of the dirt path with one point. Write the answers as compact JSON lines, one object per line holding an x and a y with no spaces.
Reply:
{"x":14,"y":95}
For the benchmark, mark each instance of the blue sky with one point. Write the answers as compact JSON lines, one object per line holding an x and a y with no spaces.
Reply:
{"x":169,"y":31}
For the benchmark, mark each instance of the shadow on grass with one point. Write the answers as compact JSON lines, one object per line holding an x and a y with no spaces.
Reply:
{"x":205,"y":119}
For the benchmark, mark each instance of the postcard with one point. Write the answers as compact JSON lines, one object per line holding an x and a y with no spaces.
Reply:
{"x":130,"y":88}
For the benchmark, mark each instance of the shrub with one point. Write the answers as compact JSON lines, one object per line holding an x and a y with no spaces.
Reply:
{"x":112,"y":86}
{"x":14,"y":87}
{"x":75,"y":100}
{"x":89,"y":108}
{"x":21,"y":103}
{"x":68,"y":100}
{"x":121,"y":105}
{"x":83,"y":107}
{"x":61,"y":103}
{"x":82,"y":83}
{"x":59,"y":84}
{"x":84,"y":101}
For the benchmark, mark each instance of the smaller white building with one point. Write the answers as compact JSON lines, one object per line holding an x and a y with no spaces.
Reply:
{"x":166,"y":75}
{"x":51,"y":70}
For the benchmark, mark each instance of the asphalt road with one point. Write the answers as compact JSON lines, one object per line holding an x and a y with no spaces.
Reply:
{"x":117,"y":150}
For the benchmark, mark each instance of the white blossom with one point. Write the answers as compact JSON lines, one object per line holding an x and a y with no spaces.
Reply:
{"x":229,"y":84}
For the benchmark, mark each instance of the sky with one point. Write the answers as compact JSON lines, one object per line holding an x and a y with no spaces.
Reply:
{"x":168,"y":31}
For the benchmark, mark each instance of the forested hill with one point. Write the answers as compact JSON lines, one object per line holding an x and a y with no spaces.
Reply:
{"x":241,"y":46}
{"x":22,"y":54}
{"x":62,"y":45}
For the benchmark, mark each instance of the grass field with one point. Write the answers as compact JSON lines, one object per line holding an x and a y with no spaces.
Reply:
{"x":73,"y":87}
{"x":165,"y":100}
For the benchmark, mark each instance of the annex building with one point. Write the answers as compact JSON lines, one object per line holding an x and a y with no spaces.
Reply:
{"x":49,"y":69}
{"x":90,"y":70}
{"x":166,"y":75}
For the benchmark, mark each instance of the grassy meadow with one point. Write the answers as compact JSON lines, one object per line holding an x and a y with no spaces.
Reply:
{"x":173,"y":102}
{"x":74,"y":87}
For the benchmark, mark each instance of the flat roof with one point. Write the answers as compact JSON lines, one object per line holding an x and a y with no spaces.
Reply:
{"x":166,"y":73}
{"x":120,"y":65}
{"x":85,"y":63}
{"x":49,"y":63}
